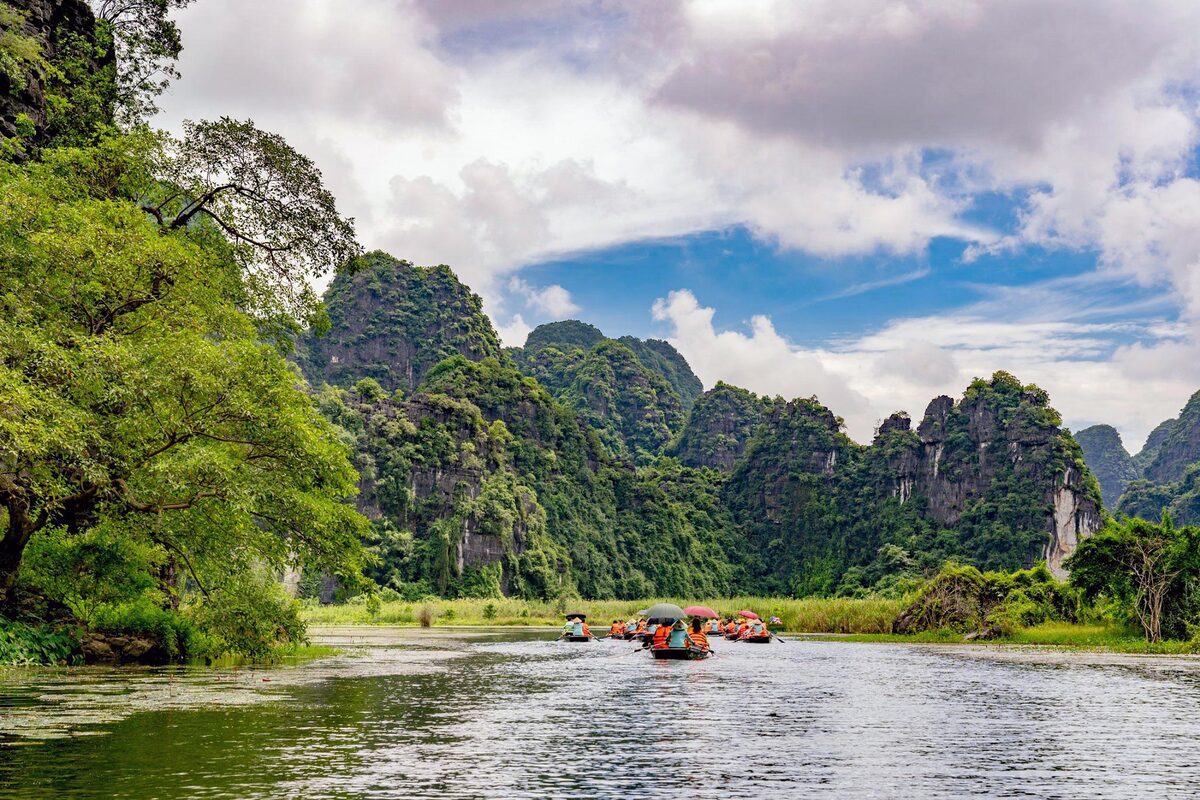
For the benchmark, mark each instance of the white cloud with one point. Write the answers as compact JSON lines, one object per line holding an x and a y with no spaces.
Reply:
{"x":493,"y":136}
{"x":762,"y":361}
{"x":515,"y":332}
{"x":910,"y":361}
{"x":552,"y":301}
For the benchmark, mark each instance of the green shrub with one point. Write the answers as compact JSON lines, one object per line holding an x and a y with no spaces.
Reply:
{"x":250,"y":615}
{"x":175,"y":636}
{"x":22,"y":644}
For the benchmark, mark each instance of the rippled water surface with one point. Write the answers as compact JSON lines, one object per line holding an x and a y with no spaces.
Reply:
{"x":517,"y":716}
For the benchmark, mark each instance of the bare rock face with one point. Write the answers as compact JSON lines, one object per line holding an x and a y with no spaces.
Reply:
{"x":105,"y":648}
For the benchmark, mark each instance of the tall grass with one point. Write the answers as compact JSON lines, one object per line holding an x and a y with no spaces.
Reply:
{"x":814,"y":615}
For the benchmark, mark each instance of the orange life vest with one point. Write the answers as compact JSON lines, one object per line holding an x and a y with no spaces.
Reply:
{"x":730,"y":628}
{"x":662,"y":637}
{"x":699,"y":639}
{"x":586,"y":631}
{"x":641,"y":628}
{"x":617,"y":629}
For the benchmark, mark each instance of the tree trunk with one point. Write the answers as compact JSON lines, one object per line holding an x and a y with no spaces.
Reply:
{"x":16,"y":535}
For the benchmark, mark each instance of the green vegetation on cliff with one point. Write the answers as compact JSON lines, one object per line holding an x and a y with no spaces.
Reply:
{"x":622,"y":389}
{"x":394,"y":323}
{"x":1108,"y":460}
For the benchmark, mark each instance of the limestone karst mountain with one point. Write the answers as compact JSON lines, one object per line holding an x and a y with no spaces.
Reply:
{"x":570,"y":465}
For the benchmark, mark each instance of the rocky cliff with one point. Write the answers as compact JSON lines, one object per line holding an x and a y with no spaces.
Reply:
{"x":627,"y":398}
{"x":53,"y":40}
{"x":991,"y":479}
{"x":1177,"y":446}
{"x":393,"y":322}
{"x":1108,"y":460}
{"x":719,"y":427}
{"x":1000,"y":455}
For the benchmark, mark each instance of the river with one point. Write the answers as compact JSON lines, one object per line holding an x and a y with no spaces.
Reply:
{"x":485,"y":714}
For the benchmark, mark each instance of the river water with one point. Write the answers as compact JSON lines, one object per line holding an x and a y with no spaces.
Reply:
{"x":514,"y":715}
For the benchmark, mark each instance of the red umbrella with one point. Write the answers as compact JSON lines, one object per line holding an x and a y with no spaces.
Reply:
{"x":748,"y":614}
{"x":701,"y":611}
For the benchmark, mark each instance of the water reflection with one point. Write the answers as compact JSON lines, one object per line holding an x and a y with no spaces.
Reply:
{"x":528,"y":718}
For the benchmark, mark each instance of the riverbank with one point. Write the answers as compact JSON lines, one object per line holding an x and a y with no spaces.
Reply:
{"x":824,"y":615}
{"x":1064,"y":635}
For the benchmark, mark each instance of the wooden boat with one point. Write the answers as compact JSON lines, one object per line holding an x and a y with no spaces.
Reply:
{"x":680,"y":653}
{"x":574,"y":638}
{"x":757,"y":639}
{"x":733,"y":637}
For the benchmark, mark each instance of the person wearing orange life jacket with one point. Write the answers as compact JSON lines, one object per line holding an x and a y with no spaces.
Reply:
{"x":641,"y":626}
{"x":586,"y":630}
{"x":743,"y":629}
{"x":697,"y":638}
{"x":661,"y":638}
{"x":617,"y":629}
{"x":714,"y":627}
{"x":631,"y":627}
{"x":730,"y":627}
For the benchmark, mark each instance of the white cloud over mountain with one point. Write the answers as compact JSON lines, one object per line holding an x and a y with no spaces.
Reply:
{"x":493,"y":135}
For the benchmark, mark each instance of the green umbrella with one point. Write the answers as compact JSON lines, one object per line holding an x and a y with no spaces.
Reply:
{"x":665,"y":611}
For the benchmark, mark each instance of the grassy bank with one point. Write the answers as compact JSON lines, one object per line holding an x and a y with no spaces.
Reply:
{"x":1051,"y":634}
{"x":820,"y":615}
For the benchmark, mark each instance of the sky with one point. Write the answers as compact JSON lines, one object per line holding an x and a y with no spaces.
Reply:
{"x":870,"y":201}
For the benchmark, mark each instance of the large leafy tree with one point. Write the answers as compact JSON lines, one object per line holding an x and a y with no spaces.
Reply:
{"x":147,"y":44}
{"x":134,"y":387}
{"x":1151,"y":570}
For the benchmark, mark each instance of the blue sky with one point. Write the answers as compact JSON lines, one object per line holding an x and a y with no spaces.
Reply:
{"x":869,"y":201}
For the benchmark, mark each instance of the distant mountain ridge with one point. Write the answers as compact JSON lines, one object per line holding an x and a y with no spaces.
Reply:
{"x":1109,"y":461}
{"x":585,"y":464}
{"x":1165,"y":474}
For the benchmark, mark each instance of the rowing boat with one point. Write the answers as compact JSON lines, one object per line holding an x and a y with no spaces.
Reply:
{"x":680,"y":653}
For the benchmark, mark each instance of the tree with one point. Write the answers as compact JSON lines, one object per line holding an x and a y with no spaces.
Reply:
{"x":1146,"y":568}
{"x":147,"y":44}
{"x":267,"y":199}
{"x":135,"y":391}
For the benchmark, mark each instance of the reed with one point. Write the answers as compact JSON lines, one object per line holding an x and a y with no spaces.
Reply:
{"x":811,"y":615}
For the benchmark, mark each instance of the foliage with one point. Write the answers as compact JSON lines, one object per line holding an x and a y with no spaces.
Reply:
{"x":250,"y":615}
{"x":1151,"y":571}
{"x":134,"y":389}
{"x":147,"y":44}
{"x":175,"y":636}
{"x":964,"y":599}
{"x":281,"y":225}
{"x":20,"y":54}
{"x":23,"y":644}
{"x":394,"y":322}
{"x":98,"y":566}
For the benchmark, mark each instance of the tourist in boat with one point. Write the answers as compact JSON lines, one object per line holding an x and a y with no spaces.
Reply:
{"x":660,"y":637}
{"x":641,"y":626}
{"x":743,"y":628}
{"x":631,"y":627}
{"x":698,"y":638}
{"x":714,"y":627}
{"x":730,"y":627}
{"x":755,"y":630}
{"x":677,"y":636}
{"x":617,"y":630}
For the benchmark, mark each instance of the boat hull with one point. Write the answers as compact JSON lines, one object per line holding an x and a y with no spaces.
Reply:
{"x":577,"y":638}
{"x":680,"y":654}
{"x":758,"y":640}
